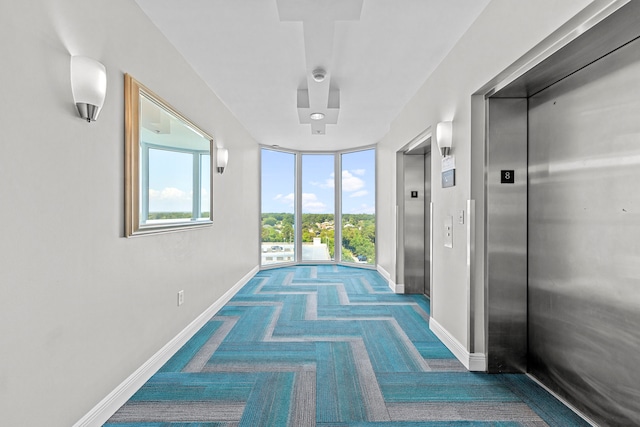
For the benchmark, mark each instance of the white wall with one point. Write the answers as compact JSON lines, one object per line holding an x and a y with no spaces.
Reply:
{"x":81,"y":307}
{"x":505,"y":31}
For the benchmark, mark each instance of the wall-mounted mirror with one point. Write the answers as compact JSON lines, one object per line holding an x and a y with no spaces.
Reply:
{"x":167,"y":166}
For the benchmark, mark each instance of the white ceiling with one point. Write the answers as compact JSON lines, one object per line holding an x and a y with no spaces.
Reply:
{"x":257,"y":54}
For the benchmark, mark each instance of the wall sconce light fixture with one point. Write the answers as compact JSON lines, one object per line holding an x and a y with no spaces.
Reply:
{"x":88,"y":85}
{"x":444,"y":134}
{"x":222,"y":158}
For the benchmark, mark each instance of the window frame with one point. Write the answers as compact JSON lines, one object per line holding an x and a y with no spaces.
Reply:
{"x":337,"y":207}
{"x":196,"y":180}
{"x":296,"y":225}
{"x":339,"y":167}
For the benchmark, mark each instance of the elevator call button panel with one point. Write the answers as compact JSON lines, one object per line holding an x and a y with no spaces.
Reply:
{"x":448,"y":232}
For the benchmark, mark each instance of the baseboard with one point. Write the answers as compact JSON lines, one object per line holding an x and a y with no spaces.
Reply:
{"x":119,"y":396}
{"x":471,"y":361}
{"x":477,"y":362}
{"x":383,"y":272}
{"x":396,"y":288}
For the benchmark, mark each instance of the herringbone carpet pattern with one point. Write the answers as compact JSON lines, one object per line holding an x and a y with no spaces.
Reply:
{"x":329,"y":346}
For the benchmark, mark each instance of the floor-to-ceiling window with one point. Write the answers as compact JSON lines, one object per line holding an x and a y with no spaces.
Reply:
{"x":358,"y":185}
{"x":278,"y":207}
{"x":318,"y":207}
{"x":331,"y":199}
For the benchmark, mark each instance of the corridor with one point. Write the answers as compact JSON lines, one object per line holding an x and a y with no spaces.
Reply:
{"x":329,"y":346}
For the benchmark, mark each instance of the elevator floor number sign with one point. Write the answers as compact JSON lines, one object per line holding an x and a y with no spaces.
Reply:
{"x":507,"y":177}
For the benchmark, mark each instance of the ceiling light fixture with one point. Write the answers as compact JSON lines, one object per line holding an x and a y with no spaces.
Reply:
{"x":317,"y":116}
{"x":319,"y":74}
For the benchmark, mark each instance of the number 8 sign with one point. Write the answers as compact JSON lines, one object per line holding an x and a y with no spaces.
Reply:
{"x":507,"y":177}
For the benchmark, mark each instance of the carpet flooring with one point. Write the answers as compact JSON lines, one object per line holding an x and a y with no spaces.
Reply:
{"x":329,"y":346}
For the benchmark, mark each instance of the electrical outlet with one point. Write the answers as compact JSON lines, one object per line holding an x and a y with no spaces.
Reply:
{"x":180,"y":297}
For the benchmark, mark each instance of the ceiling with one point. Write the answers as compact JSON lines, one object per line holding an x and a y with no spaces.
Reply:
{"x":258,"y":57}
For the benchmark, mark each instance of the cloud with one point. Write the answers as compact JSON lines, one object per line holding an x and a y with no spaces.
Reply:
{"x":311,"y":204}
{"x":360,"y":193}
{"x":351,"y":183}
{"x":287,"y":200}
{"x":169,"y":193}
{"x":170,"y":199}
{"x":328,"y":183}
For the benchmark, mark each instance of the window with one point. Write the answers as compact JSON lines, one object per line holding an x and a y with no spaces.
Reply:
{"x":358,"y":207}
{"x":169,"y":178}
{"x":312,"y":212}
{"x":278,"y":207}
{"x":318,"y":211}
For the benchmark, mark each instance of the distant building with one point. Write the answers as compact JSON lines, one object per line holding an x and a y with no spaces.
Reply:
{"x":276,"y":253}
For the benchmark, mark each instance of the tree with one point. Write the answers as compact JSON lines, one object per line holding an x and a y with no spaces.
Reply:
{"x":287,"y":219}
{"x":287,"y":232}
{"x":307,"y":236}
{"x":270,"y":221}
{"x":270,"y":234}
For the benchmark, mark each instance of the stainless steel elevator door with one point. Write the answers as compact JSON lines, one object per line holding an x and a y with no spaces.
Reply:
{"x":414,"y":224}
{"x":506,"y":233}
{"x":417,"y":198}
{"x":584,"y":238}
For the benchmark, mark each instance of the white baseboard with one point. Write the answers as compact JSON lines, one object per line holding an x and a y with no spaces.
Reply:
{"x":471,"y":361}
{"x":396,"y":288}
{"x":119,"y":396}
{"x":383,"y":272}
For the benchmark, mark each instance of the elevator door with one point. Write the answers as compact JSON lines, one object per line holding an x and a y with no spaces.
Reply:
{"x":576,"y":115}
{"x":584,"y":237}
{"x":417,"y":199}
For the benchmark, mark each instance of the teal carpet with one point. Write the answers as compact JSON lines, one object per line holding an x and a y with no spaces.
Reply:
{"x":329,"y":346}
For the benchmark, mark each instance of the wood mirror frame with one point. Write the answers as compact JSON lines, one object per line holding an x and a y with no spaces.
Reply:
{"x":163,"y":148}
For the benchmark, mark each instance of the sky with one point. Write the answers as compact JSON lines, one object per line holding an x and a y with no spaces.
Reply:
{"x":171,"y":181}
{"x":318,"y":182}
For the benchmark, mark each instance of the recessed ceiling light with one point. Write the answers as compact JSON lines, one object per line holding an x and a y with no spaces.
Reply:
{"x":318,"y":74}
{"x":317,"y":116}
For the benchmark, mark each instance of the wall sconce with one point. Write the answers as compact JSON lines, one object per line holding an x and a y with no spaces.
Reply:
{"x":444,"y":134}
{"x":222,"y":157}
{"x":88,"y":85}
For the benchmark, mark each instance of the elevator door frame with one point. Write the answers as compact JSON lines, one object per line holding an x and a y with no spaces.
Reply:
{"x":420,"y":146}
{"x":586,"y":38}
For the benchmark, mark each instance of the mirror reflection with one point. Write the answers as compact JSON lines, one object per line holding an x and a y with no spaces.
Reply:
{"x":169,"y":160}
